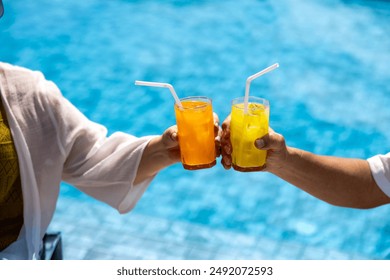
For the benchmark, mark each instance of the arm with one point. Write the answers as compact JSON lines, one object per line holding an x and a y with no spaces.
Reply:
{"x":338,"y":181}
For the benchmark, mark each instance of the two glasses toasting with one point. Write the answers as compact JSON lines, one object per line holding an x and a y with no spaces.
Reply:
{"x":195,"y":124}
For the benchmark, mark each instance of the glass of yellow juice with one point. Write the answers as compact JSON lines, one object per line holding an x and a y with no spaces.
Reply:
{"x":195,"y":125}
{"x":245,"y":128}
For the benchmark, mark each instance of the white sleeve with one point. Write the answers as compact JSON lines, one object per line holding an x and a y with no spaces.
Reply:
{"x":380,"y":169}
{"x":101,"y":166}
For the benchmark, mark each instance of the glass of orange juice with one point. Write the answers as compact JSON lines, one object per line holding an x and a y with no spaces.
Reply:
{"x":245,"y":128}
{"x":195,"y":125}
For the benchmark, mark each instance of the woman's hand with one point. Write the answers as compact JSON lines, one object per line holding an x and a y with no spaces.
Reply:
{"x":171,"y":141}
{"x":164,"y":150}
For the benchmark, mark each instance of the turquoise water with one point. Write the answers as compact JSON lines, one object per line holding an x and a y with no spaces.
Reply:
{"x":329,"y":96}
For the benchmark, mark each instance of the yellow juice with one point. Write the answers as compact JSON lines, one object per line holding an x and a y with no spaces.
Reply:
{"x":195,"y":124}
{"x":245,"y":128}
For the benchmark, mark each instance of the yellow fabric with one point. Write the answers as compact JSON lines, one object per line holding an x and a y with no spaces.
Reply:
{"x":11,"y":198}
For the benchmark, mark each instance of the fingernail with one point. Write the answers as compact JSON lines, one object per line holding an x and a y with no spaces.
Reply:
{"x":259,"y":143}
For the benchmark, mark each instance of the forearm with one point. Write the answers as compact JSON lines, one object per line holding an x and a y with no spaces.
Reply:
{"x":338,"y":181}
{"x":154,"y":158}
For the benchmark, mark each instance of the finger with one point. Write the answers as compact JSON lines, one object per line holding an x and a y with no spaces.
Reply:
{"x":271,"y":141}
{"x":260,"y":143}
{"x":218,"y":146}
{"x":225,"y":142}
{"x":216,"y":118}
{"x":225,"y":137}
{"x":217,"y":149}
{"x":217,"y":129}
{"x":170,"y":137}
{"x":218,"y":135}
{"x":226,"y":162}
{"x":226,"y":152}
{"x":173,"y":133}
{"x":226,"y":123}
{"x":220,"y":132}
{"x":226,"y":148}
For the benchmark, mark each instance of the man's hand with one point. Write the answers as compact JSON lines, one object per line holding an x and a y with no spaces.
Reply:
{"x":272,"y":142}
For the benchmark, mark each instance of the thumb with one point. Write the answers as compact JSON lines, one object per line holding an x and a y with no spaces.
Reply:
{"x":270,"y":141}
{"x":170,"y":138}
{"x":260,"y":143}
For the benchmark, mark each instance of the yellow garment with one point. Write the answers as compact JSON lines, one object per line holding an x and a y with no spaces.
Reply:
{"x":11,"y":198}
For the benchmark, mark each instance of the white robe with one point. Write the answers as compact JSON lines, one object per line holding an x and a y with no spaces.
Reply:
{"x":54,"y":142}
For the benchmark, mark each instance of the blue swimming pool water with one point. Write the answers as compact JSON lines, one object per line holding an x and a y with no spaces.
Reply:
{"x":329,"y":96}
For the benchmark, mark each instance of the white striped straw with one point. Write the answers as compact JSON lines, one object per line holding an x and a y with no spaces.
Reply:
{"x":164,"y":85}
{"x":251,"y":78}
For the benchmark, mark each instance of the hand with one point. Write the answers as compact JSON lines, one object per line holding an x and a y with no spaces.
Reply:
{"x":171,"y":141}
{"x":276,"y":148}
{"x":273,"y":142}
{"x":217,"y":135}
{"x":164,"y":150}
{"x":226,"y":145}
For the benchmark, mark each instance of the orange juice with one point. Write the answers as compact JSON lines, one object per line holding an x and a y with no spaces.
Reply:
{"x":195,"y":124}
{"x":245,"y":128}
